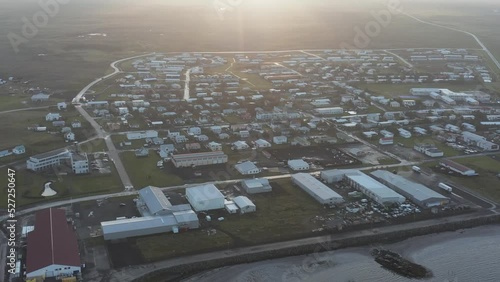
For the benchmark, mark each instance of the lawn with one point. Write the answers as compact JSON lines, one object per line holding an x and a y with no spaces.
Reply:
{"x":96,"y":145}
{"x":410,"y":142}
{"x":283,"y":214}
{"x":487,"y":183}
{"x":144,"y":172}
{"x":30,"y":186}
{"x":157,"y":247}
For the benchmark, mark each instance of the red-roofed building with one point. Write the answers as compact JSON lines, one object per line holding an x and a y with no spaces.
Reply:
{"x":458,"y":168}
{"x":52,"y":246}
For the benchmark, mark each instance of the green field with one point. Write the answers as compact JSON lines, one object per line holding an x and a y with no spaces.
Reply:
{"x":96,"y":145}
{"x":410,"y":142}
{"x":157,"y":247}
{"x":283,"y":214}
{"x":30,"y":186}
{"x":144,"y":172}
{"x":487,"y":183}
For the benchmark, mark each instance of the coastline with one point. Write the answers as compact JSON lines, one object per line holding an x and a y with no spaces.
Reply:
{"x":409,"y":248}
{"x":317,"y":246}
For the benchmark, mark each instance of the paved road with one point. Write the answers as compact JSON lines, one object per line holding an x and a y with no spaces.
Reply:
{"x":484,"y":48}
{"x":134,"y":272}
{"x":399,"y":57}
{"x":186,"y":85}
{"x":116,"y":70}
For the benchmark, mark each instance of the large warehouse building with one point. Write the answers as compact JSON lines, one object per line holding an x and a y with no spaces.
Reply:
{"x":415,"y":192}
{"x":205,"y":198}
{"x":52,"y":247}
{"x":199,"y":159}
{"x":375,"y":190}
{"x":319,"y":191}
{"x":158,"y":216}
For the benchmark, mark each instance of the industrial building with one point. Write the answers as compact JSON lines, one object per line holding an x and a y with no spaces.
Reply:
{"x":47,"y":160}
{"x":256,"y":185}
{"x":244,"y":204}
{"x":142,"y":135}
{"x":329,"y":111}
{"x":415,"y":192}
{"x":205,"y":198}
{"x":158,"y":216}
{"x":458,"y":168}
{"x":199,"y":159}
{"x":148,"y":225}
{"x":479,"y":141}
{"x":375,"y":190}
{"x":333,"y":175}
{"x":319,"y":191}
{"x":298,"y":165}
{"x":428,"y":150}
{"x":52,"y":249}
{"x":247,"y":168}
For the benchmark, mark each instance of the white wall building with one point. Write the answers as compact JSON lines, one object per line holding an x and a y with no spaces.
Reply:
{"x":199,"y":159}
{"x":142,"y":135}
{"x":280,"y":140}
{"x":245,"y":204}
{"x":205,"y":198}
{"x":329,"y":111}
{"x":47,"y":160}
{"x":80,"y":163}
{"x":375,"y":190}
{"x":319,"y":191}
{"x":247,"y":168}
{"x":298,"y":165}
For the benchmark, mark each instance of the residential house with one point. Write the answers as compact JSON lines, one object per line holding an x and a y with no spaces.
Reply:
{"x":247,"y":168}
{"x":19,"y":150}
{"x":214,"y":146}
{"x":240,"y":145}
{"x":76,"y":124}
{"x":202,"y":138}
{"x":58,"y":123}
{"x":52,"y":116}
{"x":40,"y":97}
{"x":62,"y":106}
{"x":261,"y":143}
{"x":280,"y":140}
{"x":70,"y":136}
{"x":142,"y":152}
{"x":193,"y":146}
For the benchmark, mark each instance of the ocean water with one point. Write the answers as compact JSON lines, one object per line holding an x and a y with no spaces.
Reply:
{"x":471,"y":255}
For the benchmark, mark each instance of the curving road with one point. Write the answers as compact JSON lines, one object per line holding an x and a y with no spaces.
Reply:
{"x":116,"y":70}
{"x":484,"y":48}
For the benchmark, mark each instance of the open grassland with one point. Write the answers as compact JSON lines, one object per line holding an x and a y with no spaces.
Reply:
{"x":15,"y":132}
{"x":283,"y":214}
{"x":30,"y":186}
{"x":157,"y":247}
{"x":76,"y":58}
{"x":487,"y":183}
{"x":144,"y":172}
{"x":410,"y":142}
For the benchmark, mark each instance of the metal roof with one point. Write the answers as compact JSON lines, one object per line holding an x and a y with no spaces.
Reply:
{"x":375,"y":187}
{"x":417,"y":191}
{"x":139,"y":223}
{"x":242,"y":201}
{"x":204,"y":192}
{"x":256,"y":182}
{"x":315,"y":186}
{"x":246,"y":166}
{"x":185,"y":216}
{"x":154,"y":199}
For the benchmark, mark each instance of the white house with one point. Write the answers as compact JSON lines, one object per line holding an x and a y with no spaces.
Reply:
{"x":247,"y":168}
{"x":214,"y":146}
{"x":123,"y":110}
{"x":244,"y":204}
{"x":216,"y":129}
{"x":244,"y":133}
{"x":261,"y":143}
{"x":40,"y":97}
{"x":62,"y":106}
{"x":298,"y":165}
{"x":80,"y":163}
{"x":180,"y":139}
{"x":52,"y":116}
{"x":76,"y":124}
{"x":194,"y":131}
{"x":70,"y":136}
{"x":280,"y":140}
{"x":240,"y":145}
{"x":19,"y":150}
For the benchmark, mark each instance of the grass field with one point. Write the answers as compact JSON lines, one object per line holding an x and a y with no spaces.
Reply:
{"x":30,"y":186}
{"x":282,"y":214}
{"x":144,"y":172}
{"x":487,"y":183}
{"x":410,"y":142}
{"x":157,"y":247}
{"x":96,"y":145}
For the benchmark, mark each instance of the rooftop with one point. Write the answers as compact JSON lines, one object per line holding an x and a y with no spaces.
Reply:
{"x":154,"y":199}
{"x":315,"y":186}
